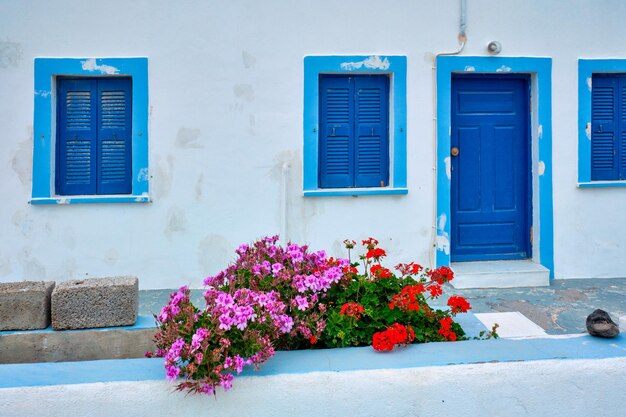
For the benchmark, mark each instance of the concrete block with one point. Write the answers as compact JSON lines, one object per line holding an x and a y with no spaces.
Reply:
{"x":25,"y":305}
{"x":95,"y":302}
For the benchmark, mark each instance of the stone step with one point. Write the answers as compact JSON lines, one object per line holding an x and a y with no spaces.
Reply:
{"x":48,"y":345}
{"x":499,"y":274}
{"x":511,"y":324}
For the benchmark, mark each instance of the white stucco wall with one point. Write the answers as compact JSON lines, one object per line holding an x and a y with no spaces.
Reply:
{"x":226,"y":94}
{"x":536,"y":388}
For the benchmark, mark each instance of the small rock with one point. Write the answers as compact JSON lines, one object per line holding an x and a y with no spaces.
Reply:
{"x":599,"y":324}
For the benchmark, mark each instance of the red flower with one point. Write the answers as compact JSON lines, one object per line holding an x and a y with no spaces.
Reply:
{"x":408,"y":299}
{"x":445,"y":329}
{"x":396,"y":334}
{"x":380,"y":272}
{"x":313,"y":340}
{"x":441,"y":275}
{"x":350,"y":270}
{"x":349,"y":244}
{"x":370,"y":243}
{"x":375,"y":253}
{"x":409,"y":269}
{"x":459,"y":304}
{"x":435,"y":290}
{"x":352,"y":310}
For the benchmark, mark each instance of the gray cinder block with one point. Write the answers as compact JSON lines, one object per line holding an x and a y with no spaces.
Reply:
{"x":25,"y":305}
{"x":95,"y":302}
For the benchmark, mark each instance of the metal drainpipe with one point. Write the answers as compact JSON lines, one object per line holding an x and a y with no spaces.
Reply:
{"x":462,"y":41}
{"x":285,"y":201}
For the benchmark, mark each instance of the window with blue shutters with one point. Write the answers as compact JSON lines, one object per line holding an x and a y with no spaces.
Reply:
{"x":94,"y":136}
{"x":354,"y":131}
{"x":608,"y":127}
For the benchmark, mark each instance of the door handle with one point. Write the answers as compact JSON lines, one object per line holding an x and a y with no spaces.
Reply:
{"x":454,"y":151}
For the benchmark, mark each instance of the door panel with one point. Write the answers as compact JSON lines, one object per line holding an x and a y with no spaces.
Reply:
{"x":490,"y":176}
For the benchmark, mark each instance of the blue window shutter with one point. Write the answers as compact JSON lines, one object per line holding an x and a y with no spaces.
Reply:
{"x":336,"y":147}
{"x":605,"y":128}
{"x":114,"y":136}
{"x":622,"y":129}
{"x":76,"y":140}
{"x":372,"y":131}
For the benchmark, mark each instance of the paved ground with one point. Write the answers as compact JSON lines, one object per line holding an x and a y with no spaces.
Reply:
{"x":558,"y":309}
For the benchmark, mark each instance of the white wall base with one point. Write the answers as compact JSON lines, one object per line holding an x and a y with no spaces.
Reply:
{"x":537,"y":388}
{"x":499,"y":274}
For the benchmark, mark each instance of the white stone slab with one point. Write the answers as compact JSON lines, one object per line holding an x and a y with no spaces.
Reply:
{"x":511,"y":324}
{"x":499,"y":274}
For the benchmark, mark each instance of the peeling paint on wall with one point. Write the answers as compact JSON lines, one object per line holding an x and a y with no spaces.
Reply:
{"x":504,"y":68}
{"x":373,"y":62}
{"x":541,"y":168}
{"x":143,"y":175}
{"x":10,"y":54}
{"x":91,"y":65}
{"x":43,"y":93}
{"x":442,"y":241}
{"x":539,"y":131}
{"x":248,"y":59}
{"x":244,"y":92}
{"x":187,"y":138}
{"x":470,"y":68}
{"x":588,"y":130}
{"x":589,"y":83}
{"x":448,"y":163}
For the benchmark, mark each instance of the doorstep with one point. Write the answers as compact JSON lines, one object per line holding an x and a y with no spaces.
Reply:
{"x":499,"y":274}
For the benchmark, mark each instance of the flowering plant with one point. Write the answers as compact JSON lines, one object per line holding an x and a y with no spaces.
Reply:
{"x":292,"y":298}
{"x":392,"y":310}
{"x":270,"y":298}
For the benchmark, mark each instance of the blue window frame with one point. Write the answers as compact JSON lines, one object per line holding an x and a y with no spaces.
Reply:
{"x":120,"y":171}
{"x":608,"y":127}
{"x":601,"y":102}
{"x":93,"y":150}
{"x":317,"y":180}
{"x":353,"y":134}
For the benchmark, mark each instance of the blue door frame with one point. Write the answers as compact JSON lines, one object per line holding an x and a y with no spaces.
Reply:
{"x":540,"y":70}
{"x":491,"y":189}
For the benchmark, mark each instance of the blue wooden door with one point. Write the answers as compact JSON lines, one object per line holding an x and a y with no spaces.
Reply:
{"x":490,"y":201}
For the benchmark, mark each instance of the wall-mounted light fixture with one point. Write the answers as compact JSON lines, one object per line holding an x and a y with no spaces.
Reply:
{"x":494,"y":47}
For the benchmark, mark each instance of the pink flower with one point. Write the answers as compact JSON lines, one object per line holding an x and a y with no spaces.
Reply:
{"x":302,"y":303}
{"x":172,"y":372}
{"x":226,"y":381}
{"x":276,"y":268}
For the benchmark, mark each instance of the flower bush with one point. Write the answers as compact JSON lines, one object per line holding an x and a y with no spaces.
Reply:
{"x":275,"y":297}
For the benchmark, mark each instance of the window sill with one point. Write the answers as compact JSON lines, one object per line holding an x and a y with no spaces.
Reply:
{"x":329,"y":192}
{"x":601,"y":184}
{"x":96,"y":199}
